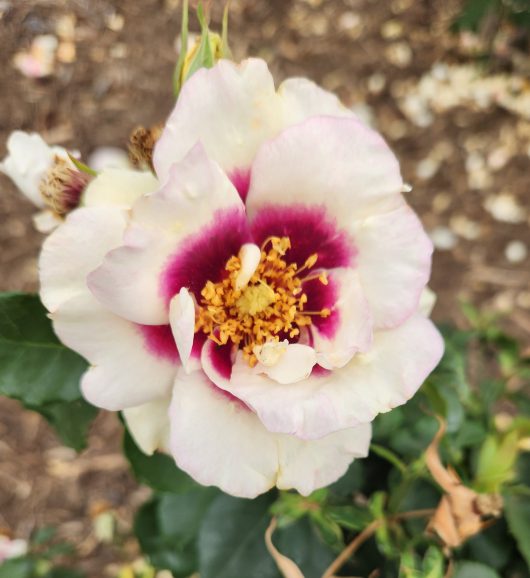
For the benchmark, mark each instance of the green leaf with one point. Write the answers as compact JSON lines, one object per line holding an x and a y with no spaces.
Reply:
{"x":71,"y":420}
{"x":329,"y":529}
{"x":158,"y":471}
{"x":17,"y":568}
{"x":64,"y":573}
{"x":231,"y":539}
{"x":35,"y":367}
{"x":302,"y":544}
{"x":472,"y":15}
{"x":43,"y":535}
{"x":433,"y":563}
{"x":517,"y":513}
{"x":167,"y":529}
{"x":474,"y":570}
{"x":350,"y":482}
{"x":496,"y":462}
{"x":82,"y":167}
{"x":350,"y":517}
{"x":493,"y":546}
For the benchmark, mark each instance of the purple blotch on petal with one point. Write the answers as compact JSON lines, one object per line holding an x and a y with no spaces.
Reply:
{"x":241,"y":180}
{"x":159,"y":341}
{"x":320,"y":296}
{"x":310,"y":229}
{"x":202,"y":257}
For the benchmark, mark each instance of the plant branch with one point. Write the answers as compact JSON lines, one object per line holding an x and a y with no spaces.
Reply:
{"x":367,"y":533}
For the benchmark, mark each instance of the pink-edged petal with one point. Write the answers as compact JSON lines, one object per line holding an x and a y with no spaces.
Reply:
{"x":119,"y":187}
{"x":219,"y":442}
{"x":149,"y":425}
{"x":177,"y":236}
{"x":306,"y":465}
{"x":338,"y":163}
{"x":386,"y":376}
{"x":301,"y":98}
{"x":74,"y":249}
{"x":351,"y":330}
{"x":182,"y":321}
{"x":286,"y":362}
{"x":128,"y":367}
{"x":231,"y":108}
{"x":394,"y":264}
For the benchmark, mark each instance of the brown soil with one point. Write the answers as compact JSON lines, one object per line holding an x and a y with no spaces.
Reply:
{"x":121,"y":77}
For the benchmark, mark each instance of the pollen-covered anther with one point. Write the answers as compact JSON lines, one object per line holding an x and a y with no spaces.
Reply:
{"x":269,"y":307}
{"x":62,"y":186}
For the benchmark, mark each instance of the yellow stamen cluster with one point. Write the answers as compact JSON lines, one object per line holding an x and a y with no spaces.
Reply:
{"x":269,"y":308}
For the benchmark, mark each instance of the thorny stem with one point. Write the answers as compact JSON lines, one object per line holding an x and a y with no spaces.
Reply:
{"x":367,"y":533}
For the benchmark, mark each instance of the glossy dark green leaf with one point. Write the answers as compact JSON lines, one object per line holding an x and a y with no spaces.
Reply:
{"x":35,"y":367}
{"x":350,"y":483}
{"x":17,"y":568}
{"x":231,"y":539}
{"x":71,"y":420}
{"x":302,"y":543}
{"x":493,"y":546}
{"x":474,"y":570}
{"x":167,"y":529}
{"x":158,"y":471}
{"x":517,"y":513}
{"x":474,"y":12}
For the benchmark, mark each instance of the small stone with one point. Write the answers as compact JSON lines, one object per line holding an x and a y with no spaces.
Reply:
{"x":465,"y":228}
{"x":66,"y":53}
{"x":504,"y":208}
{"x":498,"y":158}
{"x":39,"y":60}
{"x":392,"y":29}
{"x":396,"y":129}
{"x":515,"y":252}
{"x":349,"y":21}
{"x":376,"y":83}
{"x":441,"y":202}
{"x":115,"y":22}
{"x":399,"y":54}
{"x":443,"y":238}
{"x":118,"y":50}
{"x":427,"y":168}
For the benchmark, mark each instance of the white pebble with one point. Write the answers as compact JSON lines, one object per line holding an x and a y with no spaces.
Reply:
{"x":443,"y":238}
{"x":515,"y":251}
{"x":427,"y":168}
{"x":504,"y":208}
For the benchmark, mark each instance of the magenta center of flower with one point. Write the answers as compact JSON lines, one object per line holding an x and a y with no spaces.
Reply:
{"x":270,"y":306}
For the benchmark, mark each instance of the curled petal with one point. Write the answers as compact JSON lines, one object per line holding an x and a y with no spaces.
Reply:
{"x":386,"y":376}
{"x":138,"y":279}
{"x":118,"y":187}
{"x":74,"y":249}
{"x":149,"y":425}
{"x":287,"y":363}
{"x":182,"y":321}
{"x":247,"y":460}
{"x":127,"y":368}
{"x":351,"y":330}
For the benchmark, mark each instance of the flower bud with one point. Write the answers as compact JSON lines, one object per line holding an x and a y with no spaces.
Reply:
{"x":208,"y":49}
{"x":62,"y":186}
